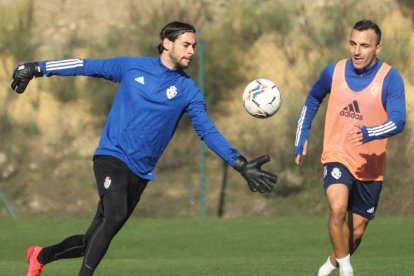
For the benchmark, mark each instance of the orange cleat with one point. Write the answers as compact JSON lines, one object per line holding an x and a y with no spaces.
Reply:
{"x":35,"y":267}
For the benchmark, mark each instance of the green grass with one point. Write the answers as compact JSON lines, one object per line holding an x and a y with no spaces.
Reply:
{"x":263,"y":246}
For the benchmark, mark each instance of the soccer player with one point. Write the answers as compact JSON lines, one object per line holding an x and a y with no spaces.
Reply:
{"x":153,"y":94}
{"x":366,"y":106}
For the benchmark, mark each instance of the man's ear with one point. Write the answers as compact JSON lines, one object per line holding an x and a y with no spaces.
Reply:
{"x":166,"y":43}
{"x":378,"y":49}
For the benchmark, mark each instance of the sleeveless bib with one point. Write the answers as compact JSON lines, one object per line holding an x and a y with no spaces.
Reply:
{"x":347,"y":108}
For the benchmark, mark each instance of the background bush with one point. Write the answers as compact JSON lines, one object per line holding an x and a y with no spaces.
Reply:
{"x":48,"y":135}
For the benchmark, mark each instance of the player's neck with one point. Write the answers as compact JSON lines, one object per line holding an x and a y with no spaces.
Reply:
{"x":167,"y":62}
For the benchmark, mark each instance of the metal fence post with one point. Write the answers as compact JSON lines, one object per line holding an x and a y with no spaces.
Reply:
{"x":8,"y":206}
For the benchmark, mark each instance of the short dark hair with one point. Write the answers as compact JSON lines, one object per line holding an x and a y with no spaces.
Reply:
{"x":172,"y":30}
{"x":364,"y":25}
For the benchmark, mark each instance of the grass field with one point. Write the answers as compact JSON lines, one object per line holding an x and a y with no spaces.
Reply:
{"x":186,"y":246}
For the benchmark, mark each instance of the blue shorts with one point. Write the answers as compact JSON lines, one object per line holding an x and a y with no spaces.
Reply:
{"x":363,"y":196}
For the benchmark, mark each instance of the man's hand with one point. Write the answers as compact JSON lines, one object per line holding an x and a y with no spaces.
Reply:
{"x":257,"y":179}
{"x":23,"y":74}
{"x":356,"y":136}
{"x":298,"y":158}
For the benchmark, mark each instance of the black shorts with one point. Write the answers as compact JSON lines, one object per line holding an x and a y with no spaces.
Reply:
{"x":363,"y":195}
{"x":113,"y":175}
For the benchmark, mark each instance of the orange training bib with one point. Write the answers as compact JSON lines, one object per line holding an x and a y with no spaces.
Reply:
{"x":347,"y":108}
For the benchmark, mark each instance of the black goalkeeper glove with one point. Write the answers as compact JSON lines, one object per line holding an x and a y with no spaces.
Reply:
{"x":23,"y":74}
{"x":257,"y":179}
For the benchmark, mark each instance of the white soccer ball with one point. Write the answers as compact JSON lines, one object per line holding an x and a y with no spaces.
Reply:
{"x":262,"y":98}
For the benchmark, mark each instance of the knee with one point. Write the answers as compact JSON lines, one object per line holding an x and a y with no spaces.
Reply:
{"x":115,"y":220}
{"x":337,"y":212}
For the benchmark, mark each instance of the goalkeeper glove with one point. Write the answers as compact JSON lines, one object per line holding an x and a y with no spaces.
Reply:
{"x":23,"y":74}
{"x":257,"y":179}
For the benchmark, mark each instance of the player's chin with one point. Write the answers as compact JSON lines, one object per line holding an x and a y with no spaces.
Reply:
{"x":358,"y":64}
{"x":185,"y":63}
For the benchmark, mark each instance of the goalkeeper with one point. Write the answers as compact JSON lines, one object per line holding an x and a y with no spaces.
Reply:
{"x":152,"y":96}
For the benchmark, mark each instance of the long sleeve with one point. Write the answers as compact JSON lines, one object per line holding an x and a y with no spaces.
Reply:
{"x":111,"y":69}
{"x":313,"y":100}
{"x":394,"y":103}
{"x":208,"y":132}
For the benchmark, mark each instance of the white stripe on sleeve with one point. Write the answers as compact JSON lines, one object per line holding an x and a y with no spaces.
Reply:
{"x":382,"y":129}
{"x":300,"y":124}
{"x":63,"y":64}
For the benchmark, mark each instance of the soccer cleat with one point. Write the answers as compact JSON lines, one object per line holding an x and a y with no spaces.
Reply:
{"x":346,"y":273}
{"x":324,"y":271}
{"x":320,"y":274}
{"x":35,"y":267}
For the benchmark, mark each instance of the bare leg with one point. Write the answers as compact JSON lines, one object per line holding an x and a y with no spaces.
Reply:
{"x":338,"y":228}
{"x":358,"y":224}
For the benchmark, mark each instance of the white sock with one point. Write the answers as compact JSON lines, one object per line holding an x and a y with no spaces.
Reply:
{"x":327,"y":268}
{"x":345,"y":264}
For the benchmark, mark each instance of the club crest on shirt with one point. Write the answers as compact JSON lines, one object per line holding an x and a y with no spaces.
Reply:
{"x":374,"y":89}
{"x":171,"y":92}
{"x":336,"y":173}
{"x":107,"y":182}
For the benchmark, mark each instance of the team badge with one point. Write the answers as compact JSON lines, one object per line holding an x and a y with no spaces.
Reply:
{"x":336,"y":173}
{"x":107,"y":182}
{"x":374,"y":89}
{"x":171,"y":92}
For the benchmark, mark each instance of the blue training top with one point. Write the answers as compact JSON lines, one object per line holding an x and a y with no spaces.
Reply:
{"x":146,"y":109}
{"x":393,"y":100}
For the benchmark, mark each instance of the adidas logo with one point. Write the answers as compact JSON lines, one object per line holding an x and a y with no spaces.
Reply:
{"x":371,"y":210}
{"x":352,"y":111}
{"x":140,"y":80}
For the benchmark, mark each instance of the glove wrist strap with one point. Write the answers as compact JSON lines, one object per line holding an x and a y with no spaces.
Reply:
{"x":38,"y":71}
{"x":239,"y":163}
